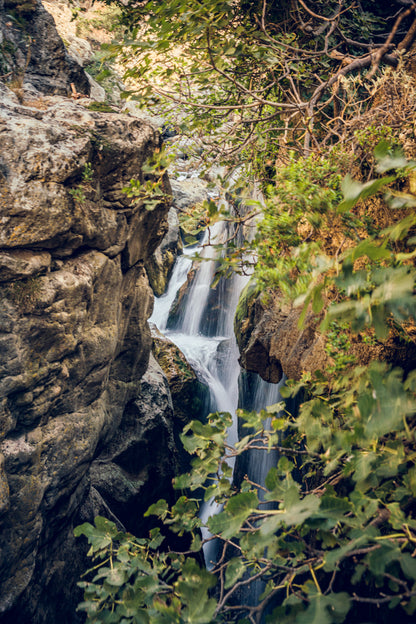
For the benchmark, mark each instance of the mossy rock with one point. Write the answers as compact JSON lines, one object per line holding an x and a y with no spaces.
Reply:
{"x":243,"y":318}
{"x":189,"y":396}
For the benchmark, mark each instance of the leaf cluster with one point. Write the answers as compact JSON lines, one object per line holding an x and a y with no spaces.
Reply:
{"x":256,"y":77}
{"x":339,"y":499}
{"x":153,"y":190}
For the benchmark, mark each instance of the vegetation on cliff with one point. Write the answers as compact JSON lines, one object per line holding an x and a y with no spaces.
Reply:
{"x":302,"y":97}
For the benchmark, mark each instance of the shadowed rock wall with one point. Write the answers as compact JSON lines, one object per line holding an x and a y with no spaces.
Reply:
{"x":77,"y":426}
{"x":31,"y":50}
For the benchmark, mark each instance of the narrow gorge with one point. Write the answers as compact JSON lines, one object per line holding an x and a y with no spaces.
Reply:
{"x":88,"y":423}
{"x":207,"y":312}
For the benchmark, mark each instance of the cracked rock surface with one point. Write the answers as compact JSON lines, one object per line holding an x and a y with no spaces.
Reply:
{"x":74,"y":342}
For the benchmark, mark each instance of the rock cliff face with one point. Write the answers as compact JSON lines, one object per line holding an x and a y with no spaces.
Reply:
{"x":270,"y":341}
{"x":76,"y":422}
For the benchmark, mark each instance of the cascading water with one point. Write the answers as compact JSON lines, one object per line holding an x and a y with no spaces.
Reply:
{"x":255,"y":395}
{"x":203,"y":330}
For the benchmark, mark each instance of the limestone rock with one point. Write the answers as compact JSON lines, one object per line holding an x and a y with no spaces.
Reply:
{"x":80,"y":50}
{"x":142,"y":458}
{"x":74,"y":340}
{"x":46,"y":199}
{"x":189,"y":396}
{"x":186,"y":193}
{"x":159,"y":266}
{"x":97,"y":92}
{"x":21,"y":263}
{"x":270,"y":341}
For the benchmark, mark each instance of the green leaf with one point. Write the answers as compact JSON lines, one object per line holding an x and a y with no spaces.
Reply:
{"x":116,"y":577}
{"x":296,"y":514}
{"x":193,"y":587}
{"x":387,"y":160}
{"x":371,"y":249}
{"x":234,"y":571}
{"x":84,"y":529}
{"x":159,"y":509}
{"x":229,"y":522}
{"x":325,"y":609}
{"x":408,"y":565}
{"x":354,"y":191}
{"x":334,"y":556}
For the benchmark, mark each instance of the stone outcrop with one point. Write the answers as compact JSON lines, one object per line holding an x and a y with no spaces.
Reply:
{"x":139,"y":462}
{"x":31,"y":50}
{"x":189,"y":395}
{"x":160,"y":264}
{"x":270,"y":340}
{"x":186,"y":193}
{"x":77,"y":425}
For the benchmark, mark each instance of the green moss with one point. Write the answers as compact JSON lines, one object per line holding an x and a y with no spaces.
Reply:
{"x":247,"y":297}
{"x":100,"y":107}
{"x":23,"y":293}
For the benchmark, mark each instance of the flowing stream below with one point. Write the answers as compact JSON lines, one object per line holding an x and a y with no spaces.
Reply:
{"x":203,"y":330}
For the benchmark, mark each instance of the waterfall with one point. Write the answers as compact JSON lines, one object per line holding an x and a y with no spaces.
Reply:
{"x":203,"y":330}
{"x":256,"y":394}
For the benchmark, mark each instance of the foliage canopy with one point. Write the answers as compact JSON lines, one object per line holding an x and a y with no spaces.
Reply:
{"x":259,"y":75}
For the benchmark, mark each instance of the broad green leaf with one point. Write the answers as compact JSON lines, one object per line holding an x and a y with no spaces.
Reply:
{"x":158,"y":509}
{"x":354,"y":191}
{"x":116,"y":577}
{"x":379,"y":559}
{"x":193,"y":587}
{"x":321,"y":610}
{"x":371,"y":249}
{"x":234,"y":571}
{"x":297,"y":514}
{"x":229,"y":522}
{"x":408,"y":565}
{"x":141,"y":616}
{"x":388,"y":160}
{"x":333,"y":557}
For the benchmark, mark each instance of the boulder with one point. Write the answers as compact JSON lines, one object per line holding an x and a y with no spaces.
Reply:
{"x":189,"y":395}
{"x":270,"y":340}
{"x":80,"y":50}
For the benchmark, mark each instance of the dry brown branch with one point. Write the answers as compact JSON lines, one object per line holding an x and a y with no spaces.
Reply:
{"x":380,"y":53}
{"x":320,"y":17}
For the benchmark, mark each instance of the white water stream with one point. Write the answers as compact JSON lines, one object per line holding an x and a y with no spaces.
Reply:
{"x":204,"y":333}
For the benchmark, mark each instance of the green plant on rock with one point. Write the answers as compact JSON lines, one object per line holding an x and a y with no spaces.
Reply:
{"x":301,"y":205}
{"x":380,"y":292}
{"x":101,"y":107}
{"x":370,"y":136}
{"x":106,"y":20}
{"x":338,"y":347}
{"x":79,"y":192}
{"x":153,"y":191}
{"x":24,"y":292}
